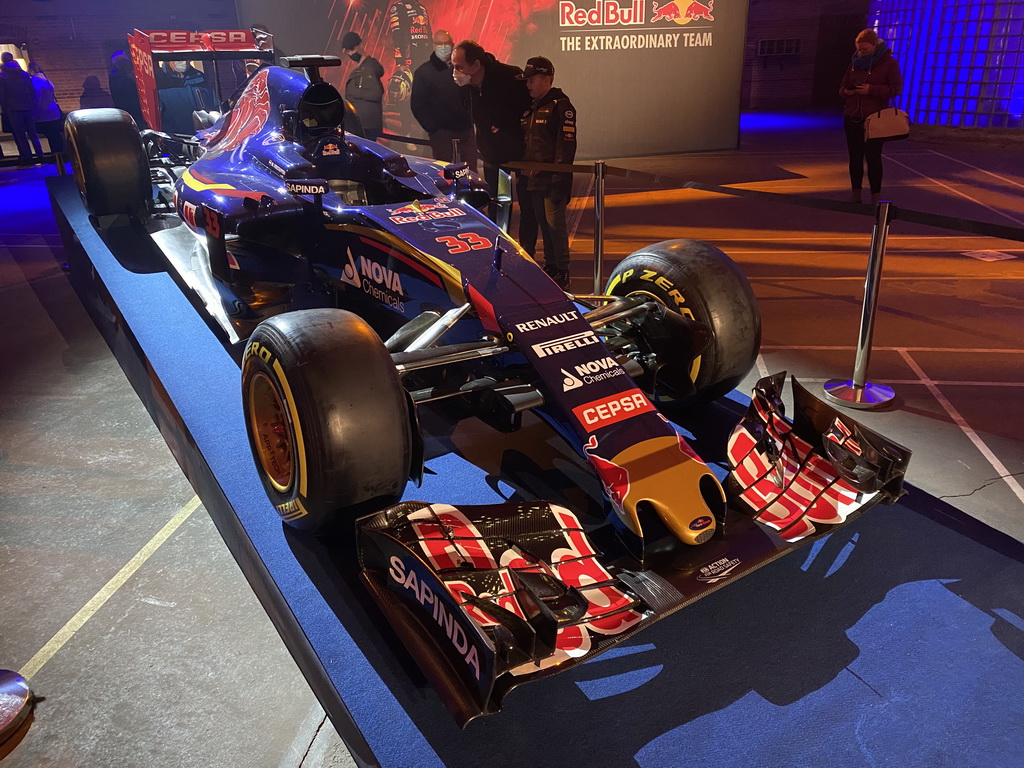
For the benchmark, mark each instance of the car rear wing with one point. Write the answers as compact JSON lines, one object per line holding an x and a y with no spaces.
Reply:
{"x":150,"y":48}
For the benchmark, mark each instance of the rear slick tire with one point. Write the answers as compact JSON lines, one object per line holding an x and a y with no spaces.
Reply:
{"x":109,"y":162}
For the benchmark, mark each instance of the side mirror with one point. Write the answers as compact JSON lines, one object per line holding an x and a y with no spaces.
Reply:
{"x":290,"y":121}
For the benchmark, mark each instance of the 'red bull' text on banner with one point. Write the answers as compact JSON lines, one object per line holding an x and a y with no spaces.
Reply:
{"x":646,"y":76}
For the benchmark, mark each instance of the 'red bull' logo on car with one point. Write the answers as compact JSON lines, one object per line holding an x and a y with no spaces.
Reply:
{"x":605,"y":13}
{"x":423,"y":211}
{"x":613,"y":409}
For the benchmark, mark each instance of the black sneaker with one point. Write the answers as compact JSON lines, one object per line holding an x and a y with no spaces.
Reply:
{"x":560,"y":276}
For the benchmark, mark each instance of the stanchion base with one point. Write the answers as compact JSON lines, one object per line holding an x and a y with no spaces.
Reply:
{"x":843,"y":392}
{"x":15,"y":703}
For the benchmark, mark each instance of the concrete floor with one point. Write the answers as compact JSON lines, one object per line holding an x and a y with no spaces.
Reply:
{"x":180,"y":666}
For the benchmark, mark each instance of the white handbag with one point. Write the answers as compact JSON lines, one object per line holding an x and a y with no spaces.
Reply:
{"x":889,"y":124}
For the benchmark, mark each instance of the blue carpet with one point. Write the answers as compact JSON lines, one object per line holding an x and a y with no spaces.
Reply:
{"x":899,"y":640}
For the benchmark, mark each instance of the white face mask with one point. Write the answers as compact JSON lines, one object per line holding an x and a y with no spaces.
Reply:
{"x":179,"y":66}
{"x":444,"y":52}
{"x":460,"y":78}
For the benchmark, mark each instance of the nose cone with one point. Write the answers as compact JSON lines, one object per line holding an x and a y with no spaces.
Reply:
{"x":668,"y":479}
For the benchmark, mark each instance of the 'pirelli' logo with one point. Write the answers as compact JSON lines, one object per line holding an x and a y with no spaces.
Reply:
{"x":565,"y":343}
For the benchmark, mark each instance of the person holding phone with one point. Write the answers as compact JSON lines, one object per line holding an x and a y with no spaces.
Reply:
{"x":871,"y":80}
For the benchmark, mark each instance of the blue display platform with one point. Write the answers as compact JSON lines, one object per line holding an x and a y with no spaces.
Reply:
{"x":897,"y":640}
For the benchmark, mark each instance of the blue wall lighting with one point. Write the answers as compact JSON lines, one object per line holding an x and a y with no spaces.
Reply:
{"x":962,"y":60}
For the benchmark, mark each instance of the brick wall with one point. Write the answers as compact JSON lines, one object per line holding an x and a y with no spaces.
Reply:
{"x":72,"y":39}
{"x":787,"y":82}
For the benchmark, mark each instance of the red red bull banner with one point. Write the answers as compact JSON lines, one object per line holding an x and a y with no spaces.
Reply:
{"x":645,"y":76}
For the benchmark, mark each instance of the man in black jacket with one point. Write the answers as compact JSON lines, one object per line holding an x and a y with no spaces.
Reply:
{"x":437,"y":106}
{"x":549,"y":129}
{"x":364,"y":87}
{"x":495,"y":96}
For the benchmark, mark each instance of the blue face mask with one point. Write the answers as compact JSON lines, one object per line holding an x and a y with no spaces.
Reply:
{"x":443,"y":51}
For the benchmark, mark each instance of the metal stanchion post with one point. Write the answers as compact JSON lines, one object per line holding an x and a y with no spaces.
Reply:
{"x":598,"y":225}
{"x":455,"y":151}
{"x":859,"y":392}
{"x":504,"y":200}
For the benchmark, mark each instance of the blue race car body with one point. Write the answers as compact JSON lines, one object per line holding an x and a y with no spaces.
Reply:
{"x":278,"y":209}
{"x":282,"y":193}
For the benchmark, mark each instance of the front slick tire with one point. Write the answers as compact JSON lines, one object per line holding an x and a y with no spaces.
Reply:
{"x":327,"y":417}
{"x":701,"y":282}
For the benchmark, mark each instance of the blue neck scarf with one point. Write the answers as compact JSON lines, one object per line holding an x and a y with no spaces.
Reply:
{"x":867,"y":63}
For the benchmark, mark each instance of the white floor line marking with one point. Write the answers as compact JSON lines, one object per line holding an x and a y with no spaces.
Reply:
{"x":956,"y":191}
{"x":964,"y":162}
{"x":959,"y":420}
{"x":761,"y":367}
{"x":865,"y":237}
{"x":76,"y":622}
{"x":889,"y":251}
{"x":891,"y":278}
{"x":845,"y":347}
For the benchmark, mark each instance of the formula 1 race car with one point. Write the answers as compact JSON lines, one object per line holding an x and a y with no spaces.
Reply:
{"x":359,"y":284}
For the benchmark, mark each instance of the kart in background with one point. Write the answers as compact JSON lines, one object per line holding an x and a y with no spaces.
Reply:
{"x":360,"y":284}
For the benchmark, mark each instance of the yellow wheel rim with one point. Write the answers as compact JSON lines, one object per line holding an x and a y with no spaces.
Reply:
{"x":272,"y":432}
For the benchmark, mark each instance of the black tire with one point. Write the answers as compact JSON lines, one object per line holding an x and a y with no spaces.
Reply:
{"x":327,"y":417}
{"x":701,"y":282}
{"x":109,"y":161}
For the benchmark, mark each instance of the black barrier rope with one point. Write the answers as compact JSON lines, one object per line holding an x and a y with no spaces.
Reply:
{"x":857,"y":392}
{"x":956,"y":223}
{"x":406,"y":139}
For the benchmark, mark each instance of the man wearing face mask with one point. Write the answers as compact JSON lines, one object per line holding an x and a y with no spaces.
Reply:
{"x":364,"y":87}
{"x":183,"y":89}
{"x":495,"y":97}
{"x":437,"y":106}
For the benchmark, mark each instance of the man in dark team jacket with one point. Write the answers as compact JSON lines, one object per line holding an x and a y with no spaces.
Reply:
{"x":495,"y":96}
{"x":364,"y":87}
{"x":549,"y":129}
{"x":437,"y":105}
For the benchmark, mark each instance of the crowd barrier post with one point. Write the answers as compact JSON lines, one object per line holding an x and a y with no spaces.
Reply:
{"x":599,"y":171}
{"x":859,"y":392}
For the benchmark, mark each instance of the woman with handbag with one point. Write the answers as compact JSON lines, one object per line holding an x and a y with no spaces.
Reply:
{"x":871,"y":80}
